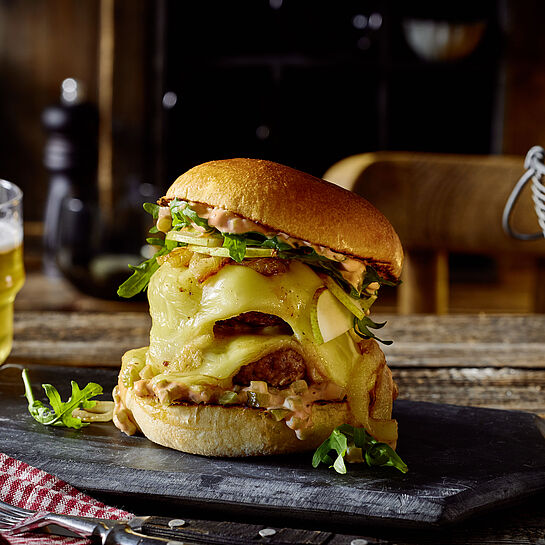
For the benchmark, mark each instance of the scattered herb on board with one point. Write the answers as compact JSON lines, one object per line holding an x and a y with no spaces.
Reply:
{"x":60,"y":414}
{"x":360,"y":446}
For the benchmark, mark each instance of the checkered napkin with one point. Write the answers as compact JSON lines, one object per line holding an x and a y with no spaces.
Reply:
{"x":31,"y":488}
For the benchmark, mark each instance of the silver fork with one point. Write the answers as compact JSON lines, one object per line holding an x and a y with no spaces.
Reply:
{"x":104,"y":531}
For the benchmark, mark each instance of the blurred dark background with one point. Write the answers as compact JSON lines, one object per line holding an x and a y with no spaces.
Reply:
{"x":301,"y":82}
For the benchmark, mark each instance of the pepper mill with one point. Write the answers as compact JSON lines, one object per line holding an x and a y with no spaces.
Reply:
{"x":70,"y":157}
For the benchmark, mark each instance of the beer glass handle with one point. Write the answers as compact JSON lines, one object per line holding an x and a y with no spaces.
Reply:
{"x":534,"y":170}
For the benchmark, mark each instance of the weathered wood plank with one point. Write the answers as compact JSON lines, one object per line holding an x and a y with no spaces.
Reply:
{"x":78,"y":338}
{"x":507,"y":388}
{"x":74,"y":338}
{"x":465,"y":340}
{"x":467,"y":328}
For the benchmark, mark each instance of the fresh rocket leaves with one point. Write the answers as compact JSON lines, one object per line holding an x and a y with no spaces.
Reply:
{"x":236,"y":244}
{"x":142,"y":273}
{"x":151,"y":208}
{"x":336,"y":442}
{"x":361,"y":327}
{"x":372,"y":276}
{"x":59,"y":413}
{"x":345,"y":438}
{"x":183,"y":216}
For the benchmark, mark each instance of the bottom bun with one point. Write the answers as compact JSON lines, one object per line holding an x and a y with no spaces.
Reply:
{"x":213,"y":430}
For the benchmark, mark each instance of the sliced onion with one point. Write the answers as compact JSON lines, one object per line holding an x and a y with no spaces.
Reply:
{"x":224,"y":252}
{"x":102,"y":412}
{"x":198,"y":240}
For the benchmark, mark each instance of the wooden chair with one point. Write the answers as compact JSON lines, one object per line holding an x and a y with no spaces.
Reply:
{"x":440,"y":204}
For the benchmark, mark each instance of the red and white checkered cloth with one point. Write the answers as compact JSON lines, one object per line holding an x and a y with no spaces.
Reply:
{"x":31,"y":488}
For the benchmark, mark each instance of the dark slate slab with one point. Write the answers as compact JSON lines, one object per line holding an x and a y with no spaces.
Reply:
{"x":462,"y":460}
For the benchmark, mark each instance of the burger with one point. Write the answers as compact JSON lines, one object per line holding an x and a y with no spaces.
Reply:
{"x":259,"y":294}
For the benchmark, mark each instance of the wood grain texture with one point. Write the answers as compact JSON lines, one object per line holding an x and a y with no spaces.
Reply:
{"x":92,"y":339}
{"x":484,"y":361}
{"x":423,"y":340}
{"x":443,"y":201}
{"x":481,"y":360}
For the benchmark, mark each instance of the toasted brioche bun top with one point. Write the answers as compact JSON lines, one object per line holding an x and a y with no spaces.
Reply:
{"x":295,"y":203}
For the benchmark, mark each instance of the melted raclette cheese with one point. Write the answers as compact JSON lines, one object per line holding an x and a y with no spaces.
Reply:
{"x":183,"y":347}
{"x":184,"y":312}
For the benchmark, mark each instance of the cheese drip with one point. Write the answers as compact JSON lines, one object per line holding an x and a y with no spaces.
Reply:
{"x":183,"y":347}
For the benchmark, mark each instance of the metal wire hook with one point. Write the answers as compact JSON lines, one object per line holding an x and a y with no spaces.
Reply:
{"x":535,"y":169}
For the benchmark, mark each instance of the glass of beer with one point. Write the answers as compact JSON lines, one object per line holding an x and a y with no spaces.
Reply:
{"x":12,"y":274}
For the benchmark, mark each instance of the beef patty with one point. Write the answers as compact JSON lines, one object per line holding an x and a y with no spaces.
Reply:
{"x":251,"y":323}
{"x":278,"y":369}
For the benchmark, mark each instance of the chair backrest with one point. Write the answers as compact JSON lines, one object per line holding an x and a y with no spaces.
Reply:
{"x":452,"y":202}
{"x":442,"y":203}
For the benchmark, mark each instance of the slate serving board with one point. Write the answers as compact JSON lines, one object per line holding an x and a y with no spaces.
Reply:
{"x":462,"y":460}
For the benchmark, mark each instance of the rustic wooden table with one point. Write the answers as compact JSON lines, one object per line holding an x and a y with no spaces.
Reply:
{"x":481,"y":360}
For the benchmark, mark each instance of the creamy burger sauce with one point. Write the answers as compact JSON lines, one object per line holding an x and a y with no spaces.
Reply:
{"x":225,"y":221}
{"x":184,"y":312}
{"x":298,"y":405}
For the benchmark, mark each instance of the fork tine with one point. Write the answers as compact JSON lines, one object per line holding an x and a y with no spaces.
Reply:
{"x":11,"y":515}
{"x":4,"y":518}
{"x":12,"y":509}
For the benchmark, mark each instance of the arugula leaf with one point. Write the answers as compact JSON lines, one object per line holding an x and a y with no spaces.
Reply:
{"x":60,"y":414}
{"x":183,"y":216}
{"x":345,"y":436}
{"x":151,"y":208}
{"x":361,"y":327}
{"x":155,"y":241}
{"x":236,"y":245}
{"x":371,"y":275}
{"x":140,"y":278}
{"x":179,"y":219}
{"x":142,"y":273}
{"x":381,"y":454}
{"x":338,"y":442}
{"x":276,"y":244}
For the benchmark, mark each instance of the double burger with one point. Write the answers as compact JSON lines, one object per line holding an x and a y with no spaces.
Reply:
{"x":259,"y":295}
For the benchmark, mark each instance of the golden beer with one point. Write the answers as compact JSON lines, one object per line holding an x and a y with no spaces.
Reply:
{"x":12,"y":277}
{"x":12,"y":274}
